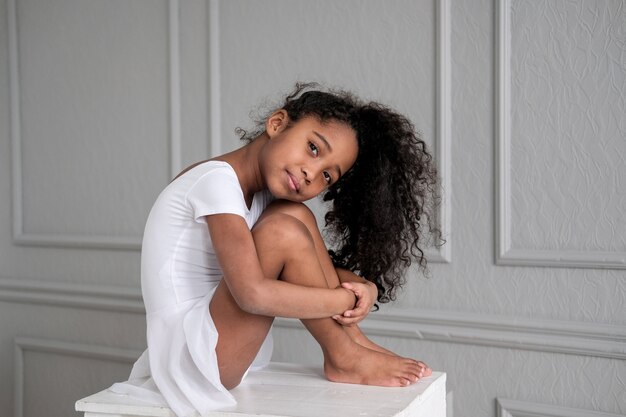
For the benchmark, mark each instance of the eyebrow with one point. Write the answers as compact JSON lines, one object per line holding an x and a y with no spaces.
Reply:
{"x":330,"y":148}
{"x":323,"y":140}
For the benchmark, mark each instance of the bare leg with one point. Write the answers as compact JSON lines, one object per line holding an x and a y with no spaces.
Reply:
{"x":302,"y":213}
{"x":287,"y":251}
{"x":240,"y":336}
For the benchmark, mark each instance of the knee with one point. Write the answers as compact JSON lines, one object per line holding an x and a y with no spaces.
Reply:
{"x":282,"y":230}
{"x":297,"y":210}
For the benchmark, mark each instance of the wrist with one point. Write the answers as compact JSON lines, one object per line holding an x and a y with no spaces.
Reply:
{"x":351,"y":298}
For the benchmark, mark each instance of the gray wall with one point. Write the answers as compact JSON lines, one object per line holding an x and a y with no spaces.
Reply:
{"x":523,"y":103}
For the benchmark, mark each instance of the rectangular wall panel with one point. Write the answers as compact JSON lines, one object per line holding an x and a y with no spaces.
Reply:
{"x":50,"y":376}
{"x":514,"y":408}
{"x":561,"y":134}
{"x":91,"y":103}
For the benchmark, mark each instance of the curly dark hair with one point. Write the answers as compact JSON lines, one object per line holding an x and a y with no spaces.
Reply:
{"x":380,"y":207}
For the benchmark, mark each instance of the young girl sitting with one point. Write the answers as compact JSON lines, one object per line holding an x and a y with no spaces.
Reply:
{"x":229,"y":245}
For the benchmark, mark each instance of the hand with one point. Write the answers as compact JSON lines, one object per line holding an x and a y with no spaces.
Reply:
{"x":366,"y":294}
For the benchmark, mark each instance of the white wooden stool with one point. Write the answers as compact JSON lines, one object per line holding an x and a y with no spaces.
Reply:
{"x":289,"y":390}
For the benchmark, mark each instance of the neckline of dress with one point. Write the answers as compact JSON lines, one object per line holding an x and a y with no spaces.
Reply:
{"x":248,"y":209}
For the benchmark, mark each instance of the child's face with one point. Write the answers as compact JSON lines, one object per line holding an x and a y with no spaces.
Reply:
{"x":302,"y":160}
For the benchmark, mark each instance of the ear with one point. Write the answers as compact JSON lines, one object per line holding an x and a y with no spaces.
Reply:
{"x":276,"y":123}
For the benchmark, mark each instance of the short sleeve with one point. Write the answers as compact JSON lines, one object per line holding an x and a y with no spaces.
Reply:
{"x":215,"y":192}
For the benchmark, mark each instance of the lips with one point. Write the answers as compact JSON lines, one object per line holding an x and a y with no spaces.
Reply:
{"x":294,"y":184}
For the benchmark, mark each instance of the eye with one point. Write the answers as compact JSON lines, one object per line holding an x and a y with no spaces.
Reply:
{"x":314,"y":149}
{"x":327,"y":177}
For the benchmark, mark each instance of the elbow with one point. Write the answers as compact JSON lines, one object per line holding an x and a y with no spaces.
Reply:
{"x":251,"y":301}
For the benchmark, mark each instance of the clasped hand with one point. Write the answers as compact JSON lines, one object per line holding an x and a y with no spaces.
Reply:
{"x":366,"y":294}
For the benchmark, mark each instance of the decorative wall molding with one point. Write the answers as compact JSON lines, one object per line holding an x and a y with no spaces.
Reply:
{"x":514,"y":408}
{"x":443,"y":128}
{"x":215,"y":116}
{"x":79,"y":241}
{"x":23,"y":344}
{"x":576,"y":338}
{"x":569,"y":337}
{"x":70,"y":295}
{"x":175,"y":108}
{"x":505,"y":254}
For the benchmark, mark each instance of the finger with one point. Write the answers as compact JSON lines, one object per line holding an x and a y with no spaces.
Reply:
{"x":360,"y":310}
{"x":354,"y":288}
{"x":344,"y":318}
{"x":346,"y":322}
{"x":351,"y":314}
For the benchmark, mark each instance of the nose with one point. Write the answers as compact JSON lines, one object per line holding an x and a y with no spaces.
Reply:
{"x":310,"y":174}
{"x":307,"y":177}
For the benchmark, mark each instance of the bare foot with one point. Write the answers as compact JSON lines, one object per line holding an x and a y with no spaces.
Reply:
{"x":361,"y":365}
{"x":357,"y":335}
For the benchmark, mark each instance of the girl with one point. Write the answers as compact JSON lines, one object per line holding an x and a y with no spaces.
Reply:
{"x":228,"y":246}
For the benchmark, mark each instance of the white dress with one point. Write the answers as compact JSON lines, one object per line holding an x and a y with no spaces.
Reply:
{"x":179,"y":274}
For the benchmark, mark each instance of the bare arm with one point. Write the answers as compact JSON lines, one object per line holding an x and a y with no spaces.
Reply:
{"x":257,"y":294}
